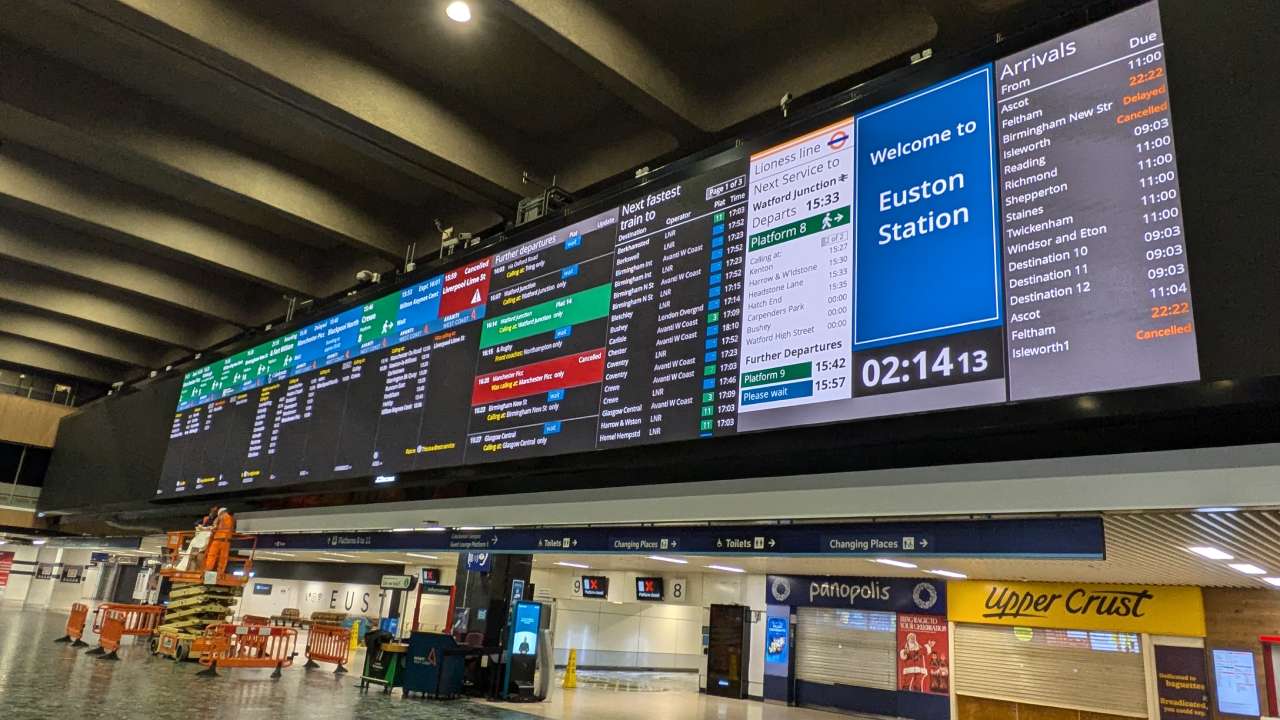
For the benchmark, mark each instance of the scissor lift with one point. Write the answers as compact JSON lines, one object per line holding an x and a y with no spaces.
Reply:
{"x":198,"y":598}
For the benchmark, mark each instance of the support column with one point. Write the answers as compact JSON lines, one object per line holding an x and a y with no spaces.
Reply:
{"x":487,"y":595}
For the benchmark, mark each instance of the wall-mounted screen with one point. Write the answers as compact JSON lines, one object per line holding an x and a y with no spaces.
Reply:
{"x":1010,"y":233}
{"x":649,"y":588}
{"x":1235,"y":683}
{"x":595,"y":586}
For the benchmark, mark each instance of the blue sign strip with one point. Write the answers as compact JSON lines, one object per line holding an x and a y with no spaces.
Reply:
{"x":1070,"y":538}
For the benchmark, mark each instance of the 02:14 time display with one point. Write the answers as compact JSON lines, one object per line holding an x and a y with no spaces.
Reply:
{"x":891,"y":370}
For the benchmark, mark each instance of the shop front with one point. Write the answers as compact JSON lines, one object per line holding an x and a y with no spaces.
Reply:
{"x":1032,"y":650}
{"x":877,"y":646}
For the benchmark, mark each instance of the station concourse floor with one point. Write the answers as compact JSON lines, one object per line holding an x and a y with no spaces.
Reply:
{"x":40,"y":679}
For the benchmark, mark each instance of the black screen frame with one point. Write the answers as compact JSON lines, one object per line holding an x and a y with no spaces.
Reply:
{"x":1218,"y":388}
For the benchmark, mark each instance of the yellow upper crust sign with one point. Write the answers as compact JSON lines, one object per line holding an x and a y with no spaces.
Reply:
{"x":1151,"y":609}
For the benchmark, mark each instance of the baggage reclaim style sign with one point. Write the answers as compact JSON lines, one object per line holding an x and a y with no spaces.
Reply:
{"x":1072,"y":538}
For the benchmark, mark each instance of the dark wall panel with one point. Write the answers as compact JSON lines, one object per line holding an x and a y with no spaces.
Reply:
{"x":110,"y":453}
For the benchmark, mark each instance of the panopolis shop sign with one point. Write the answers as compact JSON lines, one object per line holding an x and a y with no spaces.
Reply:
{"x":858,"y":593}
{"x":1119,"y":608}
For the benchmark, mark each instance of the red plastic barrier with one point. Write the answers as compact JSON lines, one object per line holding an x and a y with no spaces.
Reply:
{"x":328,"y":643}
{"x":249,"y":646}
{"x":75,"y":625}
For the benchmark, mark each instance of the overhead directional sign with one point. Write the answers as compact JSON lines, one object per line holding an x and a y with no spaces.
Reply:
{"x":1053,"y":538}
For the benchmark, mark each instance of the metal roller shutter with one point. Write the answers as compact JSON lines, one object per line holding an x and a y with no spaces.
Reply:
{"x":1095,"y":672}
{"x":847,"y":647}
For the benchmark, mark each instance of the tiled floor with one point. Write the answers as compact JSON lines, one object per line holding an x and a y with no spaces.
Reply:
{"x":41,"y":679}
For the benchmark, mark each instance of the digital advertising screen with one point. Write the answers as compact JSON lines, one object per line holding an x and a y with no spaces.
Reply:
{"x":528,"y":620}
{"x":1013,"y":232}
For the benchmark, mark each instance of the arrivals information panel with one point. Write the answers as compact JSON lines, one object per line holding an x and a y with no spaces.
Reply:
{"x":1011,"y":233}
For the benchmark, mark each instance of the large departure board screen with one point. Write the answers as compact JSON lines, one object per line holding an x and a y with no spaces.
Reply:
{"x":1010,"y":233}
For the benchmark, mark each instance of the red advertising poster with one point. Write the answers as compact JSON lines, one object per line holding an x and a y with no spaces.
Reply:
{"x":6,"y":564}
{"x":923,"y":654}
{"x":563,"y":372}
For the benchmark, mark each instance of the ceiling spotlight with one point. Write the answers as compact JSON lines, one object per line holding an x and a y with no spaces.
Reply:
{"x":458,"y":11}
{"x":948,"y":573}
{"x":580,"y":566}
{"x":1248,"y":569}
{"x":39,"y":542}
{"x":1217,"y":509}
{"x":896,"y":563}
{"x":1210,"y":553}
{"x":421,"y":555}
{"x":726,"y":568}
{"x":1272,"y":581}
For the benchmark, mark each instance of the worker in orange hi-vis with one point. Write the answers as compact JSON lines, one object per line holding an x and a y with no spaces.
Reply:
{"x":224,"y":526}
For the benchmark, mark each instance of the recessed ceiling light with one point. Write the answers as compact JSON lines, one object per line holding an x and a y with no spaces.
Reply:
{"x":1216,"y":509}
{"x":340,"y":554}
{"x":665,"y":559}
{"x":1272,"y":581}
{"x":420,"y":555}
{"x":39,"y":542}
{"x":947,"y":573}
{"x":897,"y":563}
{"x":401,"y":529}
{"x":473,"y":528}
{"x":434,"y":528}
{"x":1211,"y":553}
{"x":458,"y":11}
{"x":580,"y":566}
{"x":726,"y":568}
{"x":1248,"y":569}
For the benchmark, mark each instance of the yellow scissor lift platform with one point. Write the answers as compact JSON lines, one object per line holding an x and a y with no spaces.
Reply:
{"x":193,"y":608}
{"x":197,"y":600}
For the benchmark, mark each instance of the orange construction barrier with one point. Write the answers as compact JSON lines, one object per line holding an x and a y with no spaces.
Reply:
{"x":140,"y":620}
{"x":249,"y":646}
{"x":75,"y":625}
{"x":135,"y":621}
{"x":328,"y":643}
{"x":110,"y":631}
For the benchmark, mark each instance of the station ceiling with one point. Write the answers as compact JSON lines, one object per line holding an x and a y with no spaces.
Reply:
{"x":171,"y":172}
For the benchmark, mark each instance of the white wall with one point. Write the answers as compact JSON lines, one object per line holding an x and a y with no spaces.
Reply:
{"x":53,"y":594}
{"x":622,"y":632}
{"x":63,"y":594}
{"x":310,"y":596}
